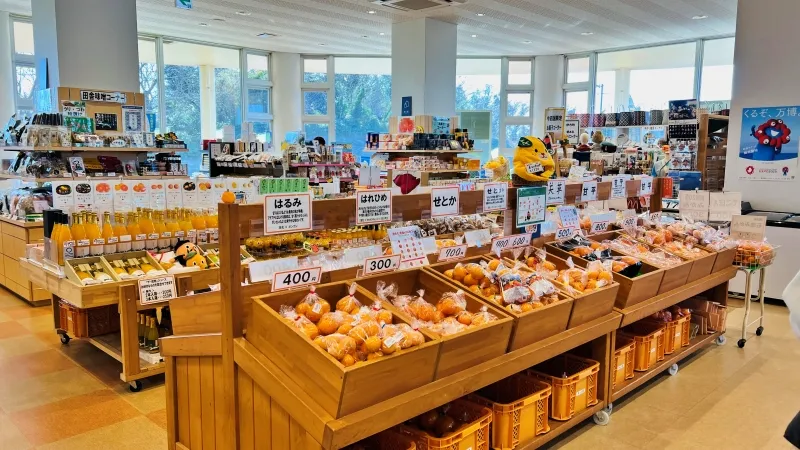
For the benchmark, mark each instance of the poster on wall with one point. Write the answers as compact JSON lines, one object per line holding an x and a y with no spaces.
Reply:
{"x":767,"y":149}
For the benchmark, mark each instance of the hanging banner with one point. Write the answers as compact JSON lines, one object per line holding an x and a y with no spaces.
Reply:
{"x":767,"y":149}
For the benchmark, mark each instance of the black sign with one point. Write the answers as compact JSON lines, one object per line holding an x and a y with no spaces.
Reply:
{"x":406,"y":106}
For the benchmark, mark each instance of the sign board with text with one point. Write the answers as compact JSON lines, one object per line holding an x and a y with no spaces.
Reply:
{"x":285,"y":213}
{"x":694,"y":204}
{"x":452,"y":253}
{"x":531,"y":205}
{"x":444,"y":201}
{"x":156,"y":290}
{"x":724,"y":205}
{"x":510,"y":242}
{"x":374,"y":206}
{"x":572,"y":128}
{"x":589,"y":191}
{"x":495,"y":196}
{"x":750,"y":228}
{"x":554,"y":121}
{"x":290,"y":279}
{"x":380,"y":264}
{"x":556,"y":192}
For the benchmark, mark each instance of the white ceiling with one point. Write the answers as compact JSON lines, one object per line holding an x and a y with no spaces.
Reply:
{"x":505,"y":27}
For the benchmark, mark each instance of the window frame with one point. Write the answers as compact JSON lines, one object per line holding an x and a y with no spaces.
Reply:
{"x":505,"y":89}
{"x":250,"y":83}
{"x":20,"y":60}
{"x":328,"y":87}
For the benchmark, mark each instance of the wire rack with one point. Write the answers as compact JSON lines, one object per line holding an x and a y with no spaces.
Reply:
{"x":755,"y":258}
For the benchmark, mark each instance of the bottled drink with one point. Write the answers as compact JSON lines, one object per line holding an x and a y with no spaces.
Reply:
{"x":142,"y":329}
{"x":172,"y":227}
{"x":121,"y":232}
{"x":108,"y":235}
{"x":137,"y":236}
{"x":153,"y":336}
{"x":161,"y":230}
{"x":148,"y":228}
{"x":186,"y":226}
{"x":94,"y":235}
{"x":78,"y":230}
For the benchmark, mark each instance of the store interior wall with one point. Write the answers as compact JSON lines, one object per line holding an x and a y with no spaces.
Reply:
{"x":548,"y":80}
{"x":765,"y":74}
{"x":287,"y":100}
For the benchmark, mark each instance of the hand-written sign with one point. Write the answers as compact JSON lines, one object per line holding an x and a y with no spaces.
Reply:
{"x":444,"y":201}
{"x":563,"y":234}
{"x":495,"y":196}
{"x":568,"y":215}
{"x":655,"y":217}
{"x":295,"y":278}
{"x":507,"y":243}
{"x":724,"y":205}
{"x":158,"y":289}
{"x":374,"y":206}
{"x":600,"y":222}
{"x":554,"y":121}
{"x":452,"y":253}
{"x":694,"y":204}
{"x":618,"y":187}
{"x":589,"y":191}
{"x":284,"y":213}
{"x":572,"y":128}
{"x":646,"y":187}
{"x":750,"y":228}
{"x":556,"y":191}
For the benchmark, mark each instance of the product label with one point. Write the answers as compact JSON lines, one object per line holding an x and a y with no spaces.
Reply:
{"x":287,"y":212}
{"x":445,"y":201}
{"x":296,"y":278}
{"x":589,"y":191}
{"x":618,"y":187}
{"x":125,"y":238}
{"x":451,"y":253}
{"x":155,"y":290}
{"x":381,"y":264}
{"x":556,"y":192}
{"x":374,"y":206}
{"x":495,"y":196}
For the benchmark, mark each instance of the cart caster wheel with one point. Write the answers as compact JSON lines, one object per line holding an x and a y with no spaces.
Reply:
{"x":742,"y":342}
{"x":609,"y":408}
{"x":602,"y":418}
{"x":65,"y":339}
{"x":721,"y":340}
{"x":135,"y":386}
{"x":759,"y":331}
{"x":673,"y":370}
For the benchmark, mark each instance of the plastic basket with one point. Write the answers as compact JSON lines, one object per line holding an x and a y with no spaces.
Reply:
{"x":754,"y":259}
{"x":574,"y":382}
{"x":520,"y":407}
{"x":474,"y":435}
{"x":649,"y":337}
{"x":623,"y":360}
{"x":385,"y":440}
{"x":677,"y":334}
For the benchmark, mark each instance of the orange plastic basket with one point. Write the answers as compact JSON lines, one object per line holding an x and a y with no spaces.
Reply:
{"x":677,"y":334}
{"x":474,"y":435}
{"x":385,"y":440}
{"x":574,"y":382}
{"x":624,"y":350}
{"x":649,"y":348}
{"x":520,"y":407}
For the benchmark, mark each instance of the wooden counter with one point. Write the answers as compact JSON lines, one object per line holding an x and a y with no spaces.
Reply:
{"x":15,"y":235}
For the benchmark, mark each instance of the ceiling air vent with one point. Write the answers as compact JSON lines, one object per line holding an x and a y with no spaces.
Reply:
{"x":418,"y":5}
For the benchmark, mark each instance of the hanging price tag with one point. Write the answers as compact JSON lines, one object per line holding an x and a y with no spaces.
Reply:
{"x":507,"y":243}
{"x":451,"y":253}
{"x":563,"y":234}
{"x":444,"y":201}
{"x":380,"y":264}
{"x":495,"y":196}
{"x":374,"y":206}
{"x":646,"y":186}
{"x":618,"y":187}
{"x":630,"y":222}
{"x":556,"y":192}
{"x":589,"y":191}
{"x":284,"y":213}
{"x":158,"y":289}
{"x":296,"y":278}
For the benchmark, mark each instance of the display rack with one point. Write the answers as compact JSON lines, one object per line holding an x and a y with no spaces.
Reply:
{"x":15,"y":235}
{"x":711,"y":155}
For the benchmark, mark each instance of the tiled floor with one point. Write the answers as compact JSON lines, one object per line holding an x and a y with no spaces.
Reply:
{"x":70,"y":397}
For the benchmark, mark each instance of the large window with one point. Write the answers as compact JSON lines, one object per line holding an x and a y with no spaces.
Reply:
{"x":24,"y":68}
{"x":318,"y":98}
{"x":363,"y":97}
{"x":717,"y":80}
{"x":478,"y":86}
{"x":148,"y":82}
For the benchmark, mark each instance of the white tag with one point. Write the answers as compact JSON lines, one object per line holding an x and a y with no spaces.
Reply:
{"x":556,"y":192}
{"x":98,"y":242}
{"x":750,"y":228}
{"x":451,"y":253}
{"x":141,"y":237}
{"x":296,"y":278}
{"x":153,"y":236}
{"x":507,"y":243}
{"x":534,"y":168}
{"x":155,"y":290}
{"x":618,"y":187}
{"x":589,"y":191}
{"x":374,"y":206}
{"x":630,"y":222}
{"x":646,"y":187}
{"x":568,"y":215}
{"x":284,"y":213}
{"x":112,"y":240}
{"x":655,"y":217}
{"x":445,"y":201}
{"x":563,"y":234}
{"x":381,"y":264}
{"x":495,"y":196}
{"x":125,"y":238}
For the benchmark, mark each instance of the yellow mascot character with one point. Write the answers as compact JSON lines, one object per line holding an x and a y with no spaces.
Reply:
{"x":532,"y":162}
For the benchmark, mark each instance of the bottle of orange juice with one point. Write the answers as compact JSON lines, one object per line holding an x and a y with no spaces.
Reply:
{"x":172,"y":227}
{"x":138,"y":238}
{"x":95,"y":235}
{"x":149,"y":229}
{"x":108,"y":235}
{"x":186,"y":226}
{"x":199,"y":224}
{"x":164,"y":236}
{"x":212,"y":226}
{"x":78,"y":231}
{"x":121,"y":232}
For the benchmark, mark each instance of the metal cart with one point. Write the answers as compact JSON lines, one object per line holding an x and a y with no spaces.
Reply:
{"x":750,"y":262}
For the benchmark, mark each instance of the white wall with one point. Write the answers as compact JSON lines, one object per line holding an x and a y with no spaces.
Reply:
{"x":287,"y":101}
{"x":548,"y":89}
{"x":766,"y":71}
{"x":7,"y":99}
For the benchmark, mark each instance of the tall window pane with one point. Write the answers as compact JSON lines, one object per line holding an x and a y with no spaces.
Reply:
{"x":519,"y":105}
{"x":26,"y":79}
{"x":717,"y":81}
{"x":315,"y":103}
{"x":228,"y":95}
{"x":258,"y":67}
{"x":258,"y":101}
{"x":315,"y":70}
{"x":577,"y":70}
{"x":577,"y":102}
{"x":519,"y":72}
{"x":148,"y":81}
{"x":23,"y":38}
{"x":315,"y":130}
{"x":363,"y":96}
{"x":478,"y":89}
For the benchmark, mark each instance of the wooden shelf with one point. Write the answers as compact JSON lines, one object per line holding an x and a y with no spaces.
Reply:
{"x":639,"y":378}
{"x":95,"y":149}
{"x":649,"y":307}
{"x":21,"y":223}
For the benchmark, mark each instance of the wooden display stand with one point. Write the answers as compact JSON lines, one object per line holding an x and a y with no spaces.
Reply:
{"x":225,"y":389}
{"x":15,"y":235}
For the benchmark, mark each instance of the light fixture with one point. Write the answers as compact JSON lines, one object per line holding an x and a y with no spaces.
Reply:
{"x":587,"y":33}
{"x":480,"y":14}
{"x":243,"y":13}
{"x":322,"y":45}
{"x":382,"y":34}
{"x":526,"y":42}
{"x":203,"y":24}
{"x":218,"y":19}
{"x":699,"y":17}
{"x":266,"y":35}
{"x":474,"y":35}
{"x":371,"y":11}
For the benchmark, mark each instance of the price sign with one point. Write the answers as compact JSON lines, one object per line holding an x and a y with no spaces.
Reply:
{"x":296,"y":278}
{"x":263,"y":270}
{"x":694,"y":204}
{"x":751,"y":228}
{"x":589,"y":191}
{"x":534,"y":168}
{"x":556,"y":192}
{"x":444,"y":201}
{"x":629,"y":222}
{"x":563,"y":234}
{"x":725,"y":205}
{"x":158,"y":289}
{"x":618,"y":187}
{"x":568,"y":216}
{"x":600,"y":222}
{"x":374,"y":206}
{"x":646,"y":187}
{"x":451,"y":253}
{"x":380,"y":264}
{"x":477,"y":238}
{"x":507,"y":243}
{"x":655,"y":217}
{"x":495,"y":196}
{"x":284,"y":213}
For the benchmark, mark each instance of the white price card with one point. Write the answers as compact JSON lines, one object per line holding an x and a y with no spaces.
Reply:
{"x":572,"y":128}
{"x":589,"y":191}
{"x":750,"y":228}
{"x":724,"y":205}
{"x":495,"y":196}
{"x":694,"y":204}
{"x":374,"y":206}
{"x":284,"y":213}
{"x":646,"y":187}
{"x":158,"y":289}
{"x":290,"y":279}
{"x":618,"y":187}
{"x":655,"y":217}
{"x":174,"y":196}
{"x":444,"y":201}
{"x":380,"y":264}
{"x":477,"y":238}
{"x":452,"y":253}
{"x":263,"y":270}
{"x":629,"y":222}
{"x":355,"y":256}
{"x":600,"y":222}
{"x":507,"y":243}
{"x":563,"y":234}
{"x":556,"y":192}
{"x":568,"y":216}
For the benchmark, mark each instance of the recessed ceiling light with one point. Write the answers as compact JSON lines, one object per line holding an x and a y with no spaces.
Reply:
{"x":474,"y":35}
{"x":203,"y":24}
{"x":365,"y":36}
{"x":480,"y":14}
{"x":699,"y":17}
{"x":383,"y":34}
{"x":218,"y":20}
{"x":243,"y":13}
{"x":587,"y":33}
{"x":526,"y":42}
{"x":371,"y":11}
{"x":266,"y":35}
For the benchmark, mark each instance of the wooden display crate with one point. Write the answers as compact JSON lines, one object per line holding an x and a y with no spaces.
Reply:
{"x":339,"y":390}
{"x":138,"y":255}
{"x":88,"y":322}
{"x":631,"y":290}
{"x":530,"y":327}
{"x":71,"y":269}
{"x":458,"y":351}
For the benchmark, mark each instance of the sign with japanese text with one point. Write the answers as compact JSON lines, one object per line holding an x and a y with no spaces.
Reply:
{"x":589,"y":191}
{"x":380,"y":264}
{"x":655,"y":217}
{"x":374,"y":206}
{"x":767,"y":149}
{"x":495,"y":196}
{"x":618,"y":187}
{"x":629,"y":221}
{"x":452,"y":253}
{"x":694,"y":204}
{"x":531,"y":205}
{"x":572,"y":128}
{"x":568,"y":216}
{"x":444,"y":201}
{"x":284,"y":213}
{"x":556,"y":192}
{"x":750,"y":228}
{"x":295,"y":278}
{"x":158,"y":289}
{"x":108,"y":97}
{"x":509,"y":242}
{"x":724,"y":205}
{"x":554,"y":121}
{"x":646,"y":187}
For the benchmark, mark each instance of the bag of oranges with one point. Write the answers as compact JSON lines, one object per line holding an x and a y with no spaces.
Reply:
{"x":313,"y":306}
{"x":299,"y":321}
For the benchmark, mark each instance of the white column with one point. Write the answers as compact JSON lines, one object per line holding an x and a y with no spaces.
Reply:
{"x":622,"y":88}
{"x":287,"y":102}
{"x":208,"y":103}
{"x":548,"y":89}
{"x":7,"y":99}
{"x":424,"y":66}
{"x":765,"y":74}
{"x":87,"y":43}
